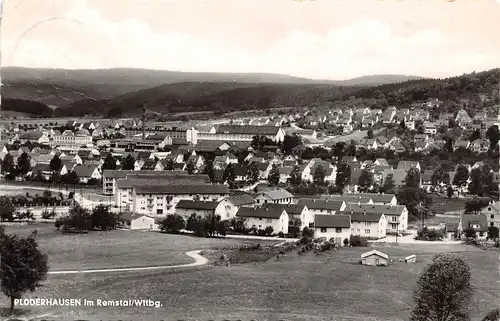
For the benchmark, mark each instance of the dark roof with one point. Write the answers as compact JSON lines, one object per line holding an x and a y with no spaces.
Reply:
{"x":182,"y":189}
{"x":366,"y":217}
{"x":321,"y":204}
{"x":337,"y":221}
{"x":84,"y":170}
{"x":243,"y":199}
{"x":262,"y":212}
{"x":375,"y":208}
{"x":470,"y":219}
{"x":248,"y":130}
{"x":196,"y":205}
{"x":291,"y":209}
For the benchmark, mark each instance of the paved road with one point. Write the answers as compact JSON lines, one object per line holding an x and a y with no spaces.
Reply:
{"x":198,"y":261}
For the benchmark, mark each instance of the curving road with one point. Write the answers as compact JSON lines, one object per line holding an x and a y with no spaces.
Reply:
{"x":198,"y":261}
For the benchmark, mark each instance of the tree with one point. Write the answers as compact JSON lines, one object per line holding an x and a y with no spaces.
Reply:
{"x":493,"y":315}
{"x":319,"y":175}
{"x":109,"y":162}
{"x":444,"y":290}
{"x":173,"y":223}
{"x":209,"y":170}
{"x":412,"y":178}
{"x":493,"y":233}
{"x":476,"y":204}
{"x":290,"y":142}
{"x":369,"y":134}
{"x":493,"y":135}
{"x":23,"y":164}
{"x":22,"y":267}
{"x":475,"y":184}
{"x":476,"y":134}
{"x":252,"y":173}
{"x":190,"y":168}
{"x":78,"y":219}
{"x":343,"y":176}
{"x":296,"y":176}
{"x":274,"y":175}
{"x":229,"y":175}
{"x":55,"y":163}
{"x":259,"y":141}
{"x":8,"y":163}
{"x":169,"y":166}
{"x":389,"y":184}
{"x":103,"y":219}
{"x":470,"y":233}
{"x":128,"y":163}
{"x":7,"y":209}
{"x":440,"y":176}
{"x":449,"y":191}
{"x":365,"y":180}
{"x":461,"y":176}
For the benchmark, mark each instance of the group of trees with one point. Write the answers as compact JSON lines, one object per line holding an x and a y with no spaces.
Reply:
{"x":80,"y":219}
{"x":203,"y":226}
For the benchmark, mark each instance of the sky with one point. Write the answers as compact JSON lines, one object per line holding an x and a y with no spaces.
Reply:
{"x":321,"y":39}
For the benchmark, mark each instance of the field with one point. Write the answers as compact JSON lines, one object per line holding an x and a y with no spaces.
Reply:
{"x":120,"y":248}
{"x":331,"y":286}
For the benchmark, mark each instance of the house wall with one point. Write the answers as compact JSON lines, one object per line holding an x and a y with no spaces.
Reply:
{"x":142,"y":223}
{"x":401,"y":219}
{"x":226,"y":210}
{"x":186,"y":213}
{"x":372,"y":260}
{"x":370,"y":229}
{"x":262,"y":199}
{"x":278,"y":225}
{"x":340,"y":236}
{"x":158,"y":204}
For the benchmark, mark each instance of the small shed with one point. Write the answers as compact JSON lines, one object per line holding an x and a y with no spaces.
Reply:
{"x":411,"y":259}
{"x":374,"y":258}
{"x":137,"y":221}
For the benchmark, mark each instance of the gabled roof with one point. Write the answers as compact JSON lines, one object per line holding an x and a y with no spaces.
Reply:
{"x":248,"y":130}
{"x":196,"y":205}
{"x":260,"y":212}
{"x":374,"y":252}
{"x":470,"y":219}
{"x":291,"y":209}
{"x":321,"y":204}
{"x":333,"y":221}
{"x":243,"y":199}
{"x":84,"y":170}
{"x":277,"y":194}
{"x":215,"y":189}
{"x":394,"y":210}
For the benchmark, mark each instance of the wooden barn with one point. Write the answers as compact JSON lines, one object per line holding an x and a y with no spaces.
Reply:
{"x":374,"y":258}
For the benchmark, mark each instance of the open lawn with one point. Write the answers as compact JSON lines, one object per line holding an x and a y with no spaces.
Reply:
{"x":119,"y":248}
{"x":331,"y":286}
{"x":441,"y":205}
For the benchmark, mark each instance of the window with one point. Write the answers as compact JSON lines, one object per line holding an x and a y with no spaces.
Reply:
{"x":367,"y":224}
{"x":159,"y":211}
{"x":268,"y":220}
{"x":260,"y":218}
{"x":323,"y":230}
{"x":338,"y":230}
{"x":394,"y":219}
{"x":492,"y":224}
{"x":492,"y":216}
{"x":143,"y":208}
{"x":367,"y":231}
{"x":228,"y":207}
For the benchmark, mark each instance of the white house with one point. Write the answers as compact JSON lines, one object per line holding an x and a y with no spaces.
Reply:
{"x":137,"y":221}
{"x":336,"y":226}
{"x":276,"y":196}
{"x":369,"y":225}
{"x":229,"y":206}
{"x":87,"y":172}
{"x":374,"y":258}
{"x":298,"y":215}
{"x":322,"y":206}
{"x":396,"y":215}
{"x":262,"y":217}
{"x":186,"y":208}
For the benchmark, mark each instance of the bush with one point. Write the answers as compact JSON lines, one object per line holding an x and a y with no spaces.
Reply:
{"x":358,"y":241}
{"x":261,"y":232}
{"x":426,"y":234}
{"x":346,"y":242}
{"x":269,"y":230}
{"x":281,"y":234}
{"x":294,"y":231}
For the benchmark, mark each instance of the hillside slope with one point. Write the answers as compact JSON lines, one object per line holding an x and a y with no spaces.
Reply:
{"x":196,"y":97}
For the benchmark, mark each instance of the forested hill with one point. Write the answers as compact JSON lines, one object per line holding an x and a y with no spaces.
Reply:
{"x":467,"y":86}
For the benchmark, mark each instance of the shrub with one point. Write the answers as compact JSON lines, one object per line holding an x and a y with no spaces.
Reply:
{"x":358,"y":241}
{"x":281,"y":234}
{"x":294,"y":231}
{"x":261,"y":232}
{"x":269,"y":230}
{"x":346,"y":242}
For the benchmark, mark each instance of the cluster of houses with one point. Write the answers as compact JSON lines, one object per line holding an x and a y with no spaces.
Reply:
{"x":352,"y":118}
